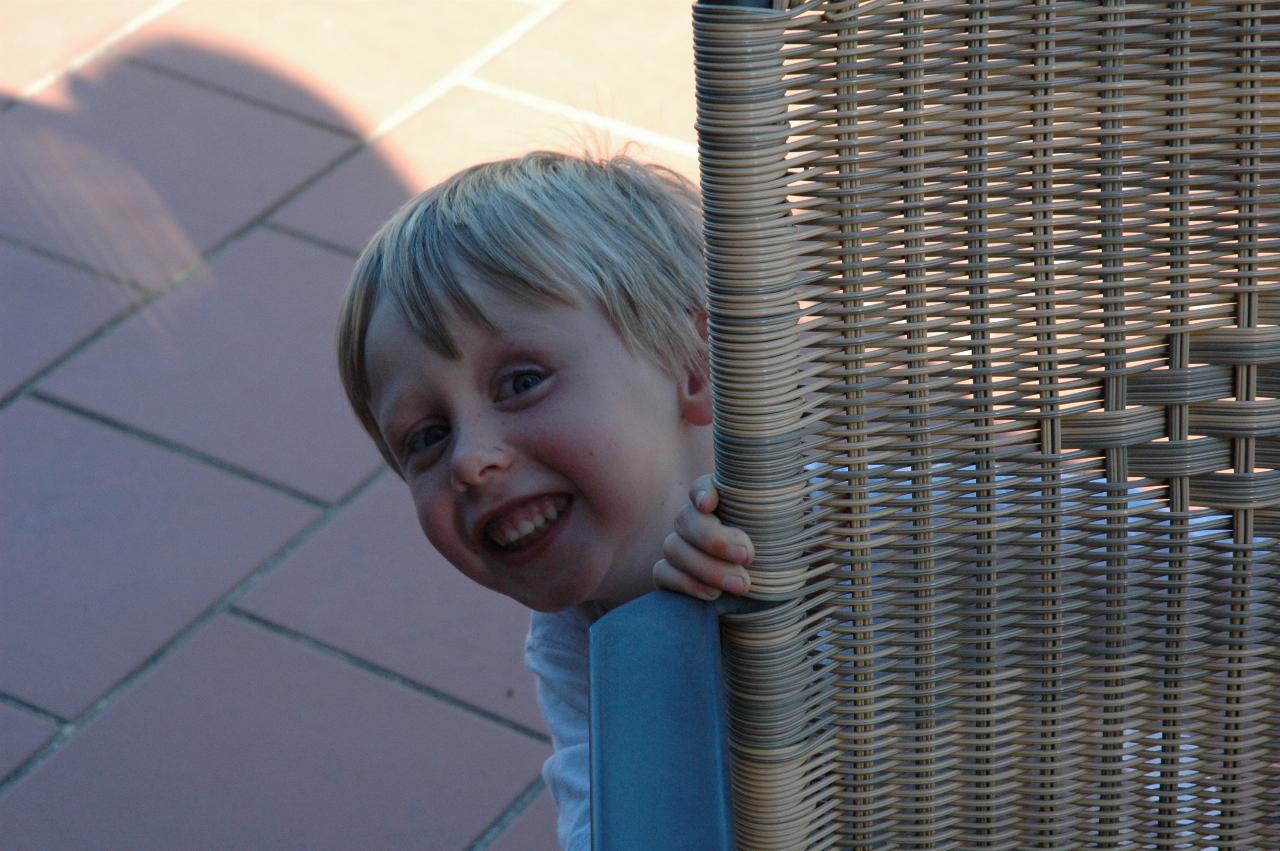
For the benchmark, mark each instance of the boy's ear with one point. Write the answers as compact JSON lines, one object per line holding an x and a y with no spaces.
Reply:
{"x":695,"y":383}
{"x":700,"y":322}
{"x":695,"y":395}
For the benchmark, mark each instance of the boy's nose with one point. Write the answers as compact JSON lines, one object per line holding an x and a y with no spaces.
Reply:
{"x":474,"y":464}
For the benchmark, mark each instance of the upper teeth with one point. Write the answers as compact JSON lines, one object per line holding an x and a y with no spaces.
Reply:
{"x":524,"y":521}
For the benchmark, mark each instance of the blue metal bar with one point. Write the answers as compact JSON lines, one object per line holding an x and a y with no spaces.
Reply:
{"x":659,"y":737}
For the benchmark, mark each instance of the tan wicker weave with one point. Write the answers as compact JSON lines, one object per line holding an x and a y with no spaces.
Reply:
{"x":996,"y":334}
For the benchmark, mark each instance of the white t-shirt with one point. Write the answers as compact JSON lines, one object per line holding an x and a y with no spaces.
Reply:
{"x":557,"y":651}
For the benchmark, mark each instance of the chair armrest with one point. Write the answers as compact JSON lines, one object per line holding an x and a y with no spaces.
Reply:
{"x":659,"y":741}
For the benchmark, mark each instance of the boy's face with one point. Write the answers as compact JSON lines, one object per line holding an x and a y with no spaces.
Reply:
{"x":547,"y":462}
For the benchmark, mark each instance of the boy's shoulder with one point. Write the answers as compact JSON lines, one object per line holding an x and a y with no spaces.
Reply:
{"x":557,"y":651}
{"x":568,"y":627}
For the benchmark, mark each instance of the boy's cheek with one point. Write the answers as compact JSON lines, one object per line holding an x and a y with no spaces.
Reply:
{"x":445,"y":544}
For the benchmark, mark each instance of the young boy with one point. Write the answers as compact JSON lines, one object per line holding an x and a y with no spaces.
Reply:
{"x":525,"y":343}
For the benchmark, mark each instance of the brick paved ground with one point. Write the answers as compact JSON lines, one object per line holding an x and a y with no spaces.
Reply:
{"x":218,"y":625}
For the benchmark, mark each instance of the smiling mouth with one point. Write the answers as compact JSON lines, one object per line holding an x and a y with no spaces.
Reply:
{"x":525,"y":524}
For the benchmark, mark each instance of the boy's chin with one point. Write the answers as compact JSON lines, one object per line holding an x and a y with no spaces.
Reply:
{"x":550,"y":602}
{"x":607,"y":594}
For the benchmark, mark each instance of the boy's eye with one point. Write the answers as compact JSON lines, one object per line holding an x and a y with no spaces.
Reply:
{"x":424,"y":439}
{"x":519,"y":382}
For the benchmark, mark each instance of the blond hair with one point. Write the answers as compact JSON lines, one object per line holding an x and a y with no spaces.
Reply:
{"x":546,"y":228}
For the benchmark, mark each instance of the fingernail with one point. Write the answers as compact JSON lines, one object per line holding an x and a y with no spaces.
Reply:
{"x":711,"y":593}
{"x":738,"y":554}
{"x":735,"y":584}
{"x":701,"y":500}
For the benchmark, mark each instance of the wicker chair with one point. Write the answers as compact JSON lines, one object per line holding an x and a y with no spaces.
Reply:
{"x":995,"y":312}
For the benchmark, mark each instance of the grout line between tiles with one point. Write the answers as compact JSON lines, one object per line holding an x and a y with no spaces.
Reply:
{"x":101,"y":48}
{"x":27,"y":387}
{"x":247,"y":584}
{"x":181,"y":277}
{"x":385,"y":673}
{"x":318,"y":242}
{"x":23,"y":768}
{"x":582,"y":116}
{"x":218,"y":607}
{"x":226,"y":604}
{"x":31,"y":709}
{"x":266,"y":213}
{"x":482,"y":56}
{"x":177,"y":448}
{"x":362,"y":485}
{"x":135,"y":291}
{"x":465,"y":68}
{"x":268,"y":106}
{"x":509,"y":815}
{"x":177,"y":280}
{"x":133,"y":288}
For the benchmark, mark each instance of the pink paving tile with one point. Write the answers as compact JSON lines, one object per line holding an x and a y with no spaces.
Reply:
{"x":45,"y":308}
{"x":371,"y":584}
{"x":243,"y":739}
{"x":341,"y":62}
{"x":533,"y":830}
{"x":239,"y":363}
{"x":21,"y":735}
{"x":137,"y":174}
{"x":629,"y":61}
{"x":464,"y":127}
{"x":110,"y":547}
{"x":39,"y":37}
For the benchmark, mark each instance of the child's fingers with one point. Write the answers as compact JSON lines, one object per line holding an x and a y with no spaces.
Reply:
{"x":704,"y":567}
{"x":706,"y":533}
{"x":703,"y":493}
{"x":666,"y":576}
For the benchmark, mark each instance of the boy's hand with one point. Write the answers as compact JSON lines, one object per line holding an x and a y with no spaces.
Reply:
{"x":703,"y":556}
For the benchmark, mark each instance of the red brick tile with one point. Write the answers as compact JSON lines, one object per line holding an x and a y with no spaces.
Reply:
{"x":629,"y":61}
{"x":21,"y":735}
{"x":462,"y":128}
{"x":110,"y":547}
{"x":370,"y":584}
{"x":137,"y":174}
{"x":39,"y":37}
{"x":238,"y":362}
{"x":345,"y":63}
{"x":243,"y":739}
{"x":45,"y":308}
{"x":533,"y":830}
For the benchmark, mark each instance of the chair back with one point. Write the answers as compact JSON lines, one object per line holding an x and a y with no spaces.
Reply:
{"x":995,"y":318}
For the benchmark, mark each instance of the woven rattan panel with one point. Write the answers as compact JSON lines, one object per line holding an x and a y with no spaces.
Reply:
{"x":995,"y":297}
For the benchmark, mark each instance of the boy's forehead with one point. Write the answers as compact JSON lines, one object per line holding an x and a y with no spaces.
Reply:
{"x":390,"y":343}
{"x":510,"y":315}
{"x":500,"y":318}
